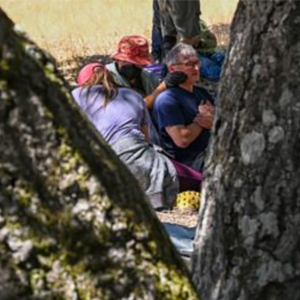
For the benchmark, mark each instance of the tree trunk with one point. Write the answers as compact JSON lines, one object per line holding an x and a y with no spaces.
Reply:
{"x":73,"y":222}
{"x":247,"y":244}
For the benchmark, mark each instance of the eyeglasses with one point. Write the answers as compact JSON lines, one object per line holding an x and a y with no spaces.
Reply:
{"x":189,"y":64}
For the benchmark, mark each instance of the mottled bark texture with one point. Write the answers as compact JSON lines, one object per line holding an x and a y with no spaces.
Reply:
{"x":73,"y":222}
{"x":247,"y":244}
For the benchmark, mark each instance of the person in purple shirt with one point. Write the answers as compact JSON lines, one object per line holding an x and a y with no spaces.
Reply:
{"x":121,"y":116}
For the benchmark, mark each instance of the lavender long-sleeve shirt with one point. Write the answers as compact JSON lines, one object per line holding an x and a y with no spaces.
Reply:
{"x":121,"y":117}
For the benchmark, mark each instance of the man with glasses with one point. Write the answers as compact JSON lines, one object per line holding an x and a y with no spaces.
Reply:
{"x":184,"y":113}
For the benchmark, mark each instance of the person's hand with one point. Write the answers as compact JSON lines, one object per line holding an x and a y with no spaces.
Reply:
{"x":204,"y":121}
{"x":205,"y":117}
{"x":194,"y":41}
{"x":174,"y":79}
{"x":206,"y":108}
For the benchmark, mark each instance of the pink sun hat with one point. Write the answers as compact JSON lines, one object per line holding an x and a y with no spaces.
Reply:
{"x":86,"y":73}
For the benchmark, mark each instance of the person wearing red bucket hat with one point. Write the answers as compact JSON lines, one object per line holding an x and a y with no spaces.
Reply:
{"x":133,"y":49}
{"x":131,"y":56}
{"x":120,"y":116}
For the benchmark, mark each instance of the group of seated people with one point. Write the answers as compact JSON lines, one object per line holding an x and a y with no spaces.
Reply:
{"x":159,"y":128}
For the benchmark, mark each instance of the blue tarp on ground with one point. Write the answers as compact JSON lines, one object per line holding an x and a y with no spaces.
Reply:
{"x":182,"y":237}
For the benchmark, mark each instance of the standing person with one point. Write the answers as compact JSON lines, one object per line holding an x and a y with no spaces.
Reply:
{"x":184,"y":121}
{"x":179,"y":18}
{"x":120,"y":115}
{"x":206,"y":45}
{"x":156,"y":34}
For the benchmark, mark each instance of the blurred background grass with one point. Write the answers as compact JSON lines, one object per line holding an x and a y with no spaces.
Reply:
{"x":72,"y":28}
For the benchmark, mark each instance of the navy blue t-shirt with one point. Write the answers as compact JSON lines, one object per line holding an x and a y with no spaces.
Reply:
{"x":177,"y":106}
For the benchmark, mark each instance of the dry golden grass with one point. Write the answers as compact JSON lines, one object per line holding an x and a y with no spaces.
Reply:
{"x":72,"y":28}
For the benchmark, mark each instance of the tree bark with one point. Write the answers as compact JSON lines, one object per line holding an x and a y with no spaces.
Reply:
{"x":73,"y":222}
{"x":247,"y":244}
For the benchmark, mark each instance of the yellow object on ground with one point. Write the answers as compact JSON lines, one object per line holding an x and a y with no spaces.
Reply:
{"x":188,"y":199}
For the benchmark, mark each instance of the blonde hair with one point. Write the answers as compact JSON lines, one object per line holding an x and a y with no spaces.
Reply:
{"x":103,"y":77}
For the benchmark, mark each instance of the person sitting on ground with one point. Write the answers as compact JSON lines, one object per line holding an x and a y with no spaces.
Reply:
{"x":185,"y":113}
{"x":128,"y":70}
{"x":120,"y":115}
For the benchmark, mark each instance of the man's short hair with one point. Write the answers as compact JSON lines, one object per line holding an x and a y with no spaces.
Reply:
{"x":178,"y":51}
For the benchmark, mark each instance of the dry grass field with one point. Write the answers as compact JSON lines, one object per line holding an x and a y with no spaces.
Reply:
{"x":72,"y":28}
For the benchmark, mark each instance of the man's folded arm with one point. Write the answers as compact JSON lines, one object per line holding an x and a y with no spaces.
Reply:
{"x":182,"y":135}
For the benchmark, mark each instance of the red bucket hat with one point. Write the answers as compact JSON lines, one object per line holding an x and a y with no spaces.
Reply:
{"x":133,"y":49}
{"x":87,"y":72}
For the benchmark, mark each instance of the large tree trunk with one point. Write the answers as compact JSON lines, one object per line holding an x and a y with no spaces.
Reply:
{"x":247,"y":244}
{"x":73,"y":222}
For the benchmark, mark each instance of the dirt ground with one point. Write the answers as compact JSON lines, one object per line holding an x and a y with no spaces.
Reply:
{"x":183,"y":217}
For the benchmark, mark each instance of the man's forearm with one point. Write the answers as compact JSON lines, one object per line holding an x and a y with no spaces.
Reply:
{"x":183,"y":136}
{"x":193,"y":131}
